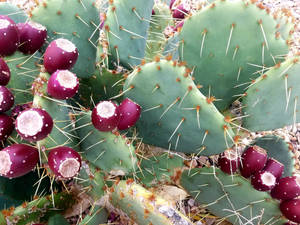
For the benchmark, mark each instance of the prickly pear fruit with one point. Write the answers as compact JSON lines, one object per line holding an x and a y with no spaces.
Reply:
{"x":263,"y":180}
{"x":180,"y":11}
{"x":287,"y":188}
{"x":64,"y":162}
{"x":9,"y":37}
{"x":275,"y":167}
{"x":130,"y":112}
{"x":105,"y":116}
{"x":6,"y":126}
{"x":6,"y":99}
{"x":229,"y":161}
{"x":34,"y":124}
{"x":63,"y":84}
{"x":18,"y":160}
{"x":291,"y":210}
{"x":4,"y":73}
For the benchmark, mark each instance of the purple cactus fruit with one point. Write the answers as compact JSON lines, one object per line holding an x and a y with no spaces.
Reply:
{"x":287,"y":188}
{"x":180,"y":11}
{"x":6,"y":126}
{"x":17,"y":160}
{"x":4,"y":73}
{"x":105,"y":116}
{"x":6,"y":99}
{"x":63,"y":84}
{"x":32,"y":36}
{"x":229,"y":161}
{"x":130,"y":112}
{"x":19,"y":108}
{"x":179,"y":26}
{"x":34,"y":124}
{"x":254,"y":159}
{"x":9,"y":37}
{"x":275,"y":167}
{"x":291,"y":210}
{"x":7,"y":18}
{"x":263,"y":180}
{"x":172,"y":3}
{"x":60,"y":54}
{"x":64,"y":162}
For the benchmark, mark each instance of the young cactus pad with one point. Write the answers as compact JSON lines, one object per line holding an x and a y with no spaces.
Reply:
{"x":175,"y":115}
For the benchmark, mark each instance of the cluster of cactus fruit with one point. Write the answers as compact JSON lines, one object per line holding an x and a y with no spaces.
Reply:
{"x":83,"y":86}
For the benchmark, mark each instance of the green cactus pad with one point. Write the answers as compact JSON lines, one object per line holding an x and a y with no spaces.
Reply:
{"x":15,"y":13}
{"x":57,"y":219}
{"x":143,"y":207}
{"x":126,"y":25}
{"x":230,"y":43}
{"x":171,"y":47}
{"x":159,"y":169}
{"x":77,"y":21}
{"x":273,"y":101}
{"x":175,"y":114}
{"x":108,"y":151}
{"x":231,"y":197}
{"x":278,"y":149}
{"x":97,"y":215}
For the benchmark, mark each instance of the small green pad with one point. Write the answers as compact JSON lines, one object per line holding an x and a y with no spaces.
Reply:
{"x":15,"y":13}
{"x":126,"y":25}
{"x":76,"y":20}
{"x":231,"y":197}
{"x":273,"y":101}
{"x":175,"y":115}
{"x":278,"y":149}
{"x":106,"y":150}
{"x":97,"y":216}
{"x":228,"y":44}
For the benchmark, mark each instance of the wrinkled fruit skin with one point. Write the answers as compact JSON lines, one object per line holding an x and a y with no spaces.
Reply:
{"x":60,"y":54}
{"x":19,"y":159}
{"x":19,"y":108}
{"x":291,"y":209}
{"x":57,"y":89}
{"x":286,"y":188}
{"x":9,"y":37}
{"x":38,"y":125}
{"x":32,"y":37}
{"x":227,"y":164}
{"x":130,"y":113}
{"x":6,"y":99}
{"x":105,"y":123}
{"x":4,"y":73}
{"x":6,"y":126}
{"x":58,"y":157}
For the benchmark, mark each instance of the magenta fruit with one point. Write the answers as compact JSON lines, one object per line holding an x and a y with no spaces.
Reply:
{"x":291,"y":210}
{"x":4,"y":73}
{"x":6,"y":126}
{"x":287,"y":188}
{"x":63,"y":84}
{"x":130,"y":112}
{"x":6,"y":99}
{"x":7,"y":18}
{"x":32,"y":36}
{"x":19,"y":108}
{"x":17,"y":160}
{"x":274,"y":167}
{"x":180,"y":11}
{"x":229,"y":161}
{"x":172,"y":3}
{"x":263,"y":180}
{"x":34,"y":124}
{"x":60,"y":54}
{"x":9,"y":37}
{"x":254,"y":159}
{"x":64,"y":162}
{"x":105,"y":116}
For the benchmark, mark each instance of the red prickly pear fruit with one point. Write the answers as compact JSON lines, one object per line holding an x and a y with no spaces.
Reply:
{"x":20,"y":108}
{"x":4,"y":73}
{"x":179,"y":26}
{"x":105,"y":116}
{"x":172,"y":3}
{"x":34,"y":124}
{"x":263,"y":180}
{"x":291,"y":210}
{"x":7,"y":18}
{"x":60,"y":54}
{"x":6,"y":99}
{"x":180,"y":11}
{"x":65,"y":162}
{"x":287,"y":188}
{"x":6,"y":126}
{"x":9,"y":36}
{"x":130,"y":112}
{"x":63,"y":84}
{"x":254,"y":159}
{"x":229,"y":161}
{"x":17,"y":160}
{"x":275,"y":167}
{"x":32,"y":36}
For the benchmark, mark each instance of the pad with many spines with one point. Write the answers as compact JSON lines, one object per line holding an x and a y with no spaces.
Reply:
{"x":126,"y":26}
{"x":278,"y":149}
{"x":224,"y":196}
{"x":229,"y":43}
{"x":83,"y":20}
{"x":273,"y":100}
{"x":108,"y":151}
{"x":175,"y":115}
